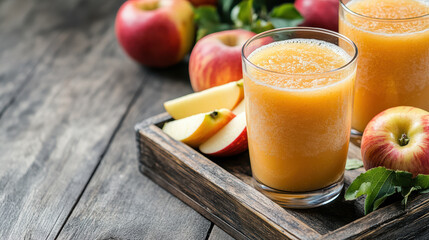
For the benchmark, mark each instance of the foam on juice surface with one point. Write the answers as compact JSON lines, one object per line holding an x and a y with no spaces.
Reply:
{"x":390,"y":10}
{"x":299,"y":63}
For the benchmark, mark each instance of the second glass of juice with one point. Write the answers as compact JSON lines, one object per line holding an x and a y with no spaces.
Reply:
{"x":393,"y":66}
{"x":299,"y":86}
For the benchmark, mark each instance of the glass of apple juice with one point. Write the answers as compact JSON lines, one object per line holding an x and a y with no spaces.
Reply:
{"x":393,"y":66}
{"x":299,"y":87}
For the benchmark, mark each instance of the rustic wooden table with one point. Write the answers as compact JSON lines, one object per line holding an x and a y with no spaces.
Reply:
{"x":69,"y":99}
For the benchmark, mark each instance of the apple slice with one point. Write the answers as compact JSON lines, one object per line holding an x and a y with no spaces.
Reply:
{"x":230,"y":140}
{"x":239,"y":108}
{"x":223,"y":96}
{"x":196,"y":129}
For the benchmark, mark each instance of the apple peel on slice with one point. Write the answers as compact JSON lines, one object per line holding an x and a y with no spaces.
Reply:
{"x":196,"y":129}
{"x":223,"y":96}
{"x":230,"y":140}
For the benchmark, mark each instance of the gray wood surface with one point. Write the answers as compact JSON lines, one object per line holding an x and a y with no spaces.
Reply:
{"x":65,"y":89}
{"x":69,"y":99}
{"x":121,"y":203}
{"x":57,"y":128}
{"x":28,"y":32}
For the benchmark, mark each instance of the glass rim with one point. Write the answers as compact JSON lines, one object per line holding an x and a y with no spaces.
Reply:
{"x":305,"y":29}
{"x":344,"y":6}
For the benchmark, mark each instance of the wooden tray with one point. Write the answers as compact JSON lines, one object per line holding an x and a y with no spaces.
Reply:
{"x":220,"y":190}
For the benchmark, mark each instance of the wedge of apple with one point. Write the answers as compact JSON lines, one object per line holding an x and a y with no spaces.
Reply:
{"x":224,"y":96}
{"x":239,"y":108}
{"x":196,"y":129}
{"x":230,"y":140}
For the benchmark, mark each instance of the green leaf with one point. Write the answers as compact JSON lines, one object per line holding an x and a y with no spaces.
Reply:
{"x":203,"y":31}
{"x":285,"y":15}
{"x":352,"y":193}
{"x":406,"y":184}
{"x":353,"y":163}
{"x":403,"y":179}
{"x":424,"y":191}
{"x":285,"y":11}
{"x":380,"y":183}
{"x":242,"y":14}
{"x":422,"y":181}
{"x":376,"y":184}
{"x":207,"y":20}
{"x":225,"y":7}
{"x":206,"y":15}
{"x":261,"y":26}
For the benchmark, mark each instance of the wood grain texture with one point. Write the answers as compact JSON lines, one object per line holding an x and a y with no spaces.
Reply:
{"x":214,"y":187}
{"x":59,"y":125}
{"x":27,"y":33}
{"x":121,"y":203}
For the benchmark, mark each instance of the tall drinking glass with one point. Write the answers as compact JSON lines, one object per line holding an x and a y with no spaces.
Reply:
{"x":393,"y":66}
{"x":299,"y":85}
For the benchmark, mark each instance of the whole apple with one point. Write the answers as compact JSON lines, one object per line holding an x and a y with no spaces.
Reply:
{"x":319,"y":13}
{"x":155,"y":33}
{"x":216,"y":59}
{"x":398,"y":139}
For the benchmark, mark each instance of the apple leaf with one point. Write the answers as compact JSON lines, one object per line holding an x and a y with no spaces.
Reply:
{"x":403,"y":179}
{"x":353,"y":163}
{"x":253,"y":15}
{"x":242,"y":14}
{"x":380,"y":183}
{"x":206,"y":15}
{"x":376,"y":184}
{"x":286,"y":11}
{"x":226,"y":7}
{"x":422,"y":181}
{"x":208,"y":21}
{"x":261,"y":26}
{"x":285,"y":15}
{"x":424,"y":191}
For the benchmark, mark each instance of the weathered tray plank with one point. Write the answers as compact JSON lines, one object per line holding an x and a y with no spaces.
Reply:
{"x":220,"y":190}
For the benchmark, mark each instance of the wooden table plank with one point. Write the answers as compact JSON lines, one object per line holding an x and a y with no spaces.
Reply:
{"x":55,"y":132}
{"x":121,"y":203}
{"x":27,"y":31}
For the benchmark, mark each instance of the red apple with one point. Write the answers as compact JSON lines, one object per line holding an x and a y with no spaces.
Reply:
{"x":398,"y":138}
{"x":216,"y":59}
{"x":230,"y":140}
{"x":319,"y":13}
{"x":155,"y":33}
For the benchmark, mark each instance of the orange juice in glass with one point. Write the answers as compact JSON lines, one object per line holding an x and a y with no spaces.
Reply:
{"x":393,"y":67}
{"x":298,"y":85}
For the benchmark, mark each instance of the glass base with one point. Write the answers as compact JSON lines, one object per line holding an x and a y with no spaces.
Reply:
{"x":301,"y":200}
{"x":355,"y":133}
{"x":355,"y":137}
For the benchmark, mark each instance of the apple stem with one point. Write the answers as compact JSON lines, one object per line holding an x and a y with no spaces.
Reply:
{"x":404,"y":140}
